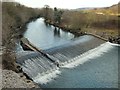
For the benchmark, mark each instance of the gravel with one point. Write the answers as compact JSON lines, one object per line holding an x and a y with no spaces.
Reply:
{"x":10,"y":79}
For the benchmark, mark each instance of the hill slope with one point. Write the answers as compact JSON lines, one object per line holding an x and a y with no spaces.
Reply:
{"x":113,"y":10}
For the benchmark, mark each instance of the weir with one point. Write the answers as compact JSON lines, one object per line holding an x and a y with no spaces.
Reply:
{"x":69,"y":52}
{"x":49,"y":48}
{"x":29,"y":46}
{"x":34,"y":63}
{"x":42,"y":62}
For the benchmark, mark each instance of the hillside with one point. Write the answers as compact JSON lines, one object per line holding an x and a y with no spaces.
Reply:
{"x":113,"y":10}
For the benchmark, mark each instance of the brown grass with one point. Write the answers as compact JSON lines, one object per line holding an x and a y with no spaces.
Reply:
{"x":106,"y":33}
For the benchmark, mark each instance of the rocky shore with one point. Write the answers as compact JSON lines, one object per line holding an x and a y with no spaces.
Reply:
{"x":10,"y":79}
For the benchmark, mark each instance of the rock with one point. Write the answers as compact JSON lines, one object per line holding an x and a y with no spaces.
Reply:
{"x":10,"y":79}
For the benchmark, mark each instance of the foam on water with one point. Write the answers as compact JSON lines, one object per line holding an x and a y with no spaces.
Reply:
{"x":44,"y":79}
{"x":94,"y":53}
{"x":114,"y":44}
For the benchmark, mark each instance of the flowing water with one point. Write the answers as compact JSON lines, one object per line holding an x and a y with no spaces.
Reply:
{"x":85,"y":61}
{"x":98,"y":69}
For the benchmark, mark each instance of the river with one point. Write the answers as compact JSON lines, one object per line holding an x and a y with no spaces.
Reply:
{"x":46,"y":37}
{"x":98,"y":68}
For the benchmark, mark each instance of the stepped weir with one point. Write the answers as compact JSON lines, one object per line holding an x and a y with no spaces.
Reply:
{"x":41,"y":62}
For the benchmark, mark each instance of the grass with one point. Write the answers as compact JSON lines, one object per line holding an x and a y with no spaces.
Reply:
{"x":106,"y":33}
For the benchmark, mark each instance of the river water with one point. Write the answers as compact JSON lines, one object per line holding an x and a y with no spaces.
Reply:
{"x":46,"y":37}
{"x":100,"y":72}
{"x":96,"y":69}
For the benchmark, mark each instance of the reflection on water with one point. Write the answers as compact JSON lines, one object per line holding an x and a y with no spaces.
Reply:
{"x":46,"y":36}
{"x":57,"y":32}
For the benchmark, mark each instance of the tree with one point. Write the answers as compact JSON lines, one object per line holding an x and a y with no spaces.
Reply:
{"x":57,"y":15}
{"x":46,"y":11}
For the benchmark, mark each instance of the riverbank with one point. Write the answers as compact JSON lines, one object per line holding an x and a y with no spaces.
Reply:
{"x":11,"y":34}
{"x":12,"y":31}
{"x":111,"y":35}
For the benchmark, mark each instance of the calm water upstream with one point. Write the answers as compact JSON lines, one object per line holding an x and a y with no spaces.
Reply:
{"x":100,"y":67}
{"x":46,"y":37}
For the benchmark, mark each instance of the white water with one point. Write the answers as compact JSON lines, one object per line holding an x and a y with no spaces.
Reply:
{"x":94,"y":53}
{"x":87,"y":56}
{"x":44,"y":42}
{"x":100,"y":72}
{"x":114,"y":44}
{"x":44,"y":79}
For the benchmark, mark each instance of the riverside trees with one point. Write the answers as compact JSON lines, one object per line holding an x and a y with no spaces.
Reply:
{"x":78,"y":19}
{"x":53,"y":15}
{"x":14,"y":17}
{"x":91,"y":21}
{"x":57,"y":15}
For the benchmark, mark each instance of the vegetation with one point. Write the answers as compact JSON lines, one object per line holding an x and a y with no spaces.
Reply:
{"x":14,"y":19}
{"x":80,"y":19}
{"x":101,"y":21}
{"x":57,"y":15}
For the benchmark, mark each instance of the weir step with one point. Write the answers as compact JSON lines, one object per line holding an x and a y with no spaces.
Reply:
{"x":29,"y":46}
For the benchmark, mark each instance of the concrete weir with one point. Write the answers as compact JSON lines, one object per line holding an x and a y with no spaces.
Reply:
{"x":42,"y":62}
{"x":33,"y":63}
{"x":27,"y":45}
{"x":70,"y":51}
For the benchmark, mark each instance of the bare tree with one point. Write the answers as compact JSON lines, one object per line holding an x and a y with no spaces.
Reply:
{"x":46,"y":11}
